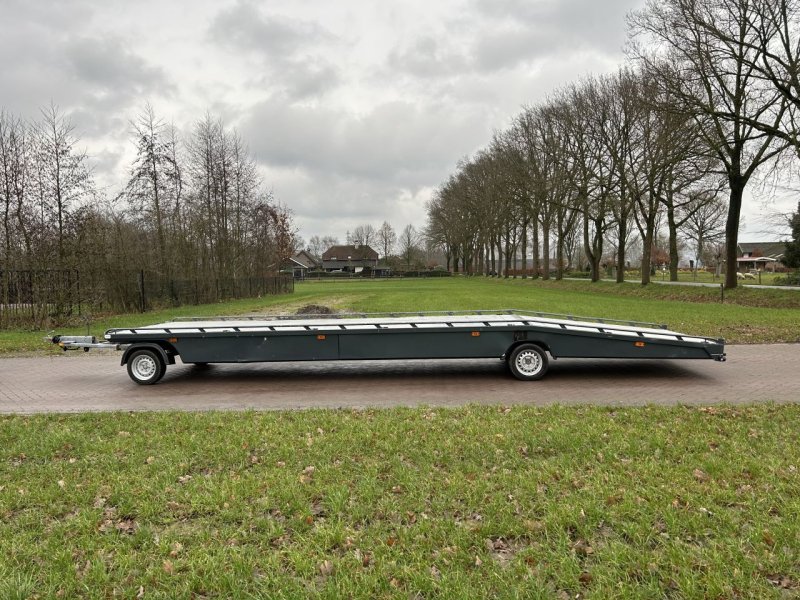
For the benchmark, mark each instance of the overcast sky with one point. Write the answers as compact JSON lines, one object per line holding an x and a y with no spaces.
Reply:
{"x":355,"y":111}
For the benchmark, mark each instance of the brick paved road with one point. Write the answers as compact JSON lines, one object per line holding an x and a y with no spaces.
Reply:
{"x":95,"y":382}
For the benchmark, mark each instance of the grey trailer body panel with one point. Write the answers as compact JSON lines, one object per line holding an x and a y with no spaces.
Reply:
{"x":425,"y":336}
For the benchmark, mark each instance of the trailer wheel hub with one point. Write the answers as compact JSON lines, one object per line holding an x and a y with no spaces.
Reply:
{"x":143,"y":367}
{"x":529,"y":362}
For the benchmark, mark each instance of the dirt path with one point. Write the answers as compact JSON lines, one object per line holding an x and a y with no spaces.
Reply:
{"x":96,"y":382}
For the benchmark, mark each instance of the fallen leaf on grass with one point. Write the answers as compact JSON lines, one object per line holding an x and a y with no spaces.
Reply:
{"x":435,"y":573}
{"x":769,"y":540}
{"x":126,"y":526}
{"x":168,"y":567}
{"x":364,"y":558}
{"x":478,"y":561}
{"x":184,"y":478}
{"x":176,"y":548}
{"x":582,"y":548}
{"x":783,"y":582}
{"x":585,"y":578}
{"x":700,"y":475}
{"x":305,"y":476}
{"x":532,"y":525}
{"x":326,"y":568}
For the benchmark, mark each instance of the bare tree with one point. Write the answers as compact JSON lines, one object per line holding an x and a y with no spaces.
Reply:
{"x":15,"y":179}
{"x":387,"y":238}
{"x":701,"y":52}
{"x":64,"y":176}
{"x":409,"y":245}
{"x":328,"y":241}
{"x":364,"y":235}
{"x":154,"y":177}
{"x":316,"y":246}
{"x":704,"y":227}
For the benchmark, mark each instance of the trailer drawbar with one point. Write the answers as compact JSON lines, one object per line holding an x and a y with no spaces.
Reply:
{"x":523,"y":339}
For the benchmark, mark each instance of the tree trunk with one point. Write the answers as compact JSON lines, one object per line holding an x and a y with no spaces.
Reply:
{"x":545,"y":252}
{"x":622,"y":241}
{"x":535,"y":249}
{"x":732,"y":233}
{"x":673,"y":243}
{"x":507,"y":254}
{"x":647,"y":248}
{"x":525,"y":249}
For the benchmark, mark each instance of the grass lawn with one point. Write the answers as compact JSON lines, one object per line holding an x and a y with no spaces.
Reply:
{"x":474,"y":502}
{"x":747,"y":316}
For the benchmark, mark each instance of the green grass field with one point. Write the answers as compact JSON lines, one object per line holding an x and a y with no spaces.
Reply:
{"x":747,"y":316}
{"x":523,"y":502}
{"x":475,"y":502}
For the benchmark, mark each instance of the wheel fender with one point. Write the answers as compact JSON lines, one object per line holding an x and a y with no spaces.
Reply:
{"x":168,"y":360}
{"x":535,"y":342}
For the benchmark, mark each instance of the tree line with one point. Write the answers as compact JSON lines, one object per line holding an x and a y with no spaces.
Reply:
{"x":192,"y":207}
{"x":707,"y":100}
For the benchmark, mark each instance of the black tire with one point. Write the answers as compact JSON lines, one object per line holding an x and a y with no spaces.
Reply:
{"x":528,"y":362}
{"x":146,"y":367}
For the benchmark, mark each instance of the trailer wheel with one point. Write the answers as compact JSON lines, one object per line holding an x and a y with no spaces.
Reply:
{"x":528,"y":362}
{"x":145,"y":367}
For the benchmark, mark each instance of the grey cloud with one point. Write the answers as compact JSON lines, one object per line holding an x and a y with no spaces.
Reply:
{"x":326,"y":203}
{"x":600,"y":24}
{"x":507,"y":48}
{"x":48,"y":56}
{"x":245,"y":27}
{"x":426,"y":57}
{"x":110,"y":69}
{"x":337,"y":169}
{"x":522,"y":31}
{"x":502,"y":35}
{"x":52,"y":15}
{"x":289,"y":49}
{"x":301,"y":79}
{"x":396,"y":141}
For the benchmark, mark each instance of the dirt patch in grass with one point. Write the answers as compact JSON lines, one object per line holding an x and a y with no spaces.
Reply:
{"x":314,"y":309}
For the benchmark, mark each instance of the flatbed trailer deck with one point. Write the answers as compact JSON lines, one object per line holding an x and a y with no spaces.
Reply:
{"x":522,"y":338}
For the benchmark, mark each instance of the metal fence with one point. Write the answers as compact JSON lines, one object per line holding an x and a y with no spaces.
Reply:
{"x":44,"y":298}
{"x":32,"y":297}
{"x":312,"y":275}
{"x":153,"y":291}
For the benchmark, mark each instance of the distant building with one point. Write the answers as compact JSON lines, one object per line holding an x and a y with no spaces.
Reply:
{"x":354,"y":258}
{"x":301,"y":263}
{"x":764,"y":256}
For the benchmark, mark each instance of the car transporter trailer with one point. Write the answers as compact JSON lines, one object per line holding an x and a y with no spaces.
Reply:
{"x":522,"y":339}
